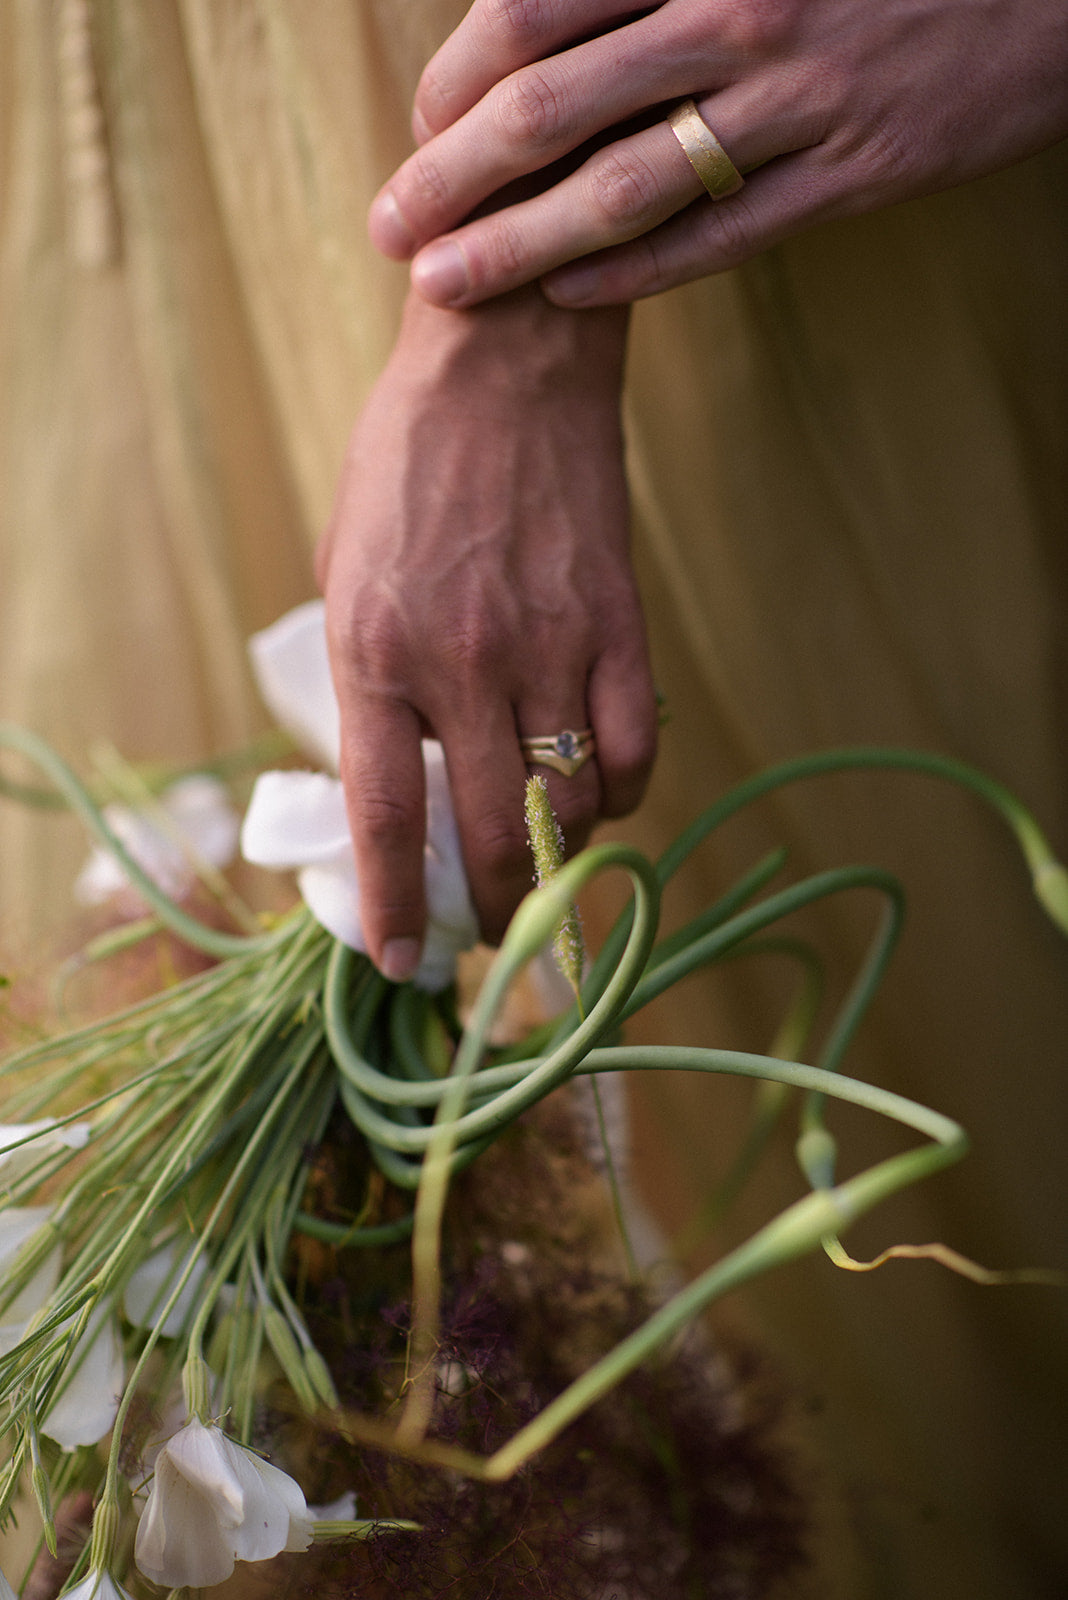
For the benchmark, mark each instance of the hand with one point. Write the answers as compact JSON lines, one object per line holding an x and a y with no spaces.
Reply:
{"x":478,"y":588}
{"x":834,"y":107}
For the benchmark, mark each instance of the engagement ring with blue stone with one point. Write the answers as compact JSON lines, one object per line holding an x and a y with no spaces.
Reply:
{"x":564,"y":752}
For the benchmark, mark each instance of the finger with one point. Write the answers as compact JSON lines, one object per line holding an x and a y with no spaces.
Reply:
{"x":525,"y":123}
{"x":487,"y":776}
{"x":708,"y":237}
{"x":492,"y":41}
{"x":382,"y":773}
{"x":622,"y":192}
{"x":623,"y":709}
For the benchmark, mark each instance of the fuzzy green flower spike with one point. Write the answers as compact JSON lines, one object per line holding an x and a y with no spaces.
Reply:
{"x":547,"y":848}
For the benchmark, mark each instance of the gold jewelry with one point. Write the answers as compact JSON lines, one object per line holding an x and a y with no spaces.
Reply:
{"x":565,"y":752}
{"x":704,"y":152}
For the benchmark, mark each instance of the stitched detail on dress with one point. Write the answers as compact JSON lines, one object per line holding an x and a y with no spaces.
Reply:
{"x":92,"y":223}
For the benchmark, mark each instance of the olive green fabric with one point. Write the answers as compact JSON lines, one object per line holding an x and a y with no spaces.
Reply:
{"x":850,"y":504}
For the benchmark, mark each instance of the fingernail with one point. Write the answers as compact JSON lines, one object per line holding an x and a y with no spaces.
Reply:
{"x":400,"y":957}
{"x":572,"y":286}
{"x":390,"y":232}
{"x":439,"y":273}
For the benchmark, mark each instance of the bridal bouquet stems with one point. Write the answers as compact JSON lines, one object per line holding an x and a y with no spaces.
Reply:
{"x":158,"y":1166}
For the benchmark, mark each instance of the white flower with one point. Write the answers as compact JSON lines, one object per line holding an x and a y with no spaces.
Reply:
{"x":96,"y":1586}
{"x":18,"y":1224}
{"x":85,"y":1406}
{"x":17,"y":1158}
{"x":84,"y":1409}
{"x":151,"y":1285}
{"x":343,"y":1509}
{"x":297,"y":820}
{"x":292,"y":670}
{"x":195,"y":822}
{"x":213,"y":1503}
{"x":6,"y":1591}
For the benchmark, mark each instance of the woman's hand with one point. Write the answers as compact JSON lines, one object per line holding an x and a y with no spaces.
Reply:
{"x":833,"y":107}
{"x":478,"y":588}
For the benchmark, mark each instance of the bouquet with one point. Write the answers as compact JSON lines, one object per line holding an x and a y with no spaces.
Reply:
{"x":181,"y":1179}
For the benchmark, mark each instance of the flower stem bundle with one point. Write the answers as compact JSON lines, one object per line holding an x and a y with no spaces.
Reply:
{"x":161,"y":1169}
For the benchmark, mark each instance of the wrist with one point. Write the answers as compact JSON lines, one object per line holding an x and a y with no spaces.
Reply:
{"x":518,"y":340}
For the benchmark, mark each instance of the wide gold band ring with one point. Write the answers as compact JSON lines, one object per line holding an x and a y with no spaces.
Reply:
{"x":564,"y":752}
{"x":704,"y":152}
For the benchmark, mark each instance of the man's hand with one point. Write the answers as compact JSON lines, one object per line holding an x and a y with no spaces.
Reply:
{"x":834,"y":107}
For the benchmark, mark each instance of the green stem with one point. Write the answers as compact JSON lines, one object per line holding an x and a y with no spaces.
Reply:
{"x":798,"y":1230}
{"x":77,"y":796}
{"x":535,"y":923}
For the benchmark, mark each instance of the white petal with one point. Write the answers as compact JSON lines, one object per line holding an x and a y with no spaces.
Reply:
{"x":180,"y":1539}
{"x":292,"y":669}
{"x":332,"y":895}
{"x":150,"y":1288}
{"x":213,"y":1501}
{"x":85,"y":1407}
{"x":96,"y":1586}
{"x":437,"y":964}
{"x":448,"y":900}
{"x":159,"y":856}
{"x":343,"y":1509}
{"x":202,"y":1456}
{"x":295,"y":819}
{"x":276,"y":1514}
{"x":298,"y":819}
{"x":200,"y":808}
{"x":17,"y":1225}
{"x":6,"y":1591}
{"x":17,"y":1159}
{"x":200,"y":822}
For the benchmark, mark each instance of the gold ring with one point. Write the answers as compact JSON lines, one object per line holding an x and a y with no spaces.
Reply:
{"x":565,"y":752}
{"x":704,"y":152}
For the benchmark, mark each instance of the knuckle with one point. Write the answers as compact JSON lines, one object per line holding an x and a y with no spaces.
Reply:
{"x":518,"y":24}
{"x":499,"y":844}
{"x":370,"y":643}
{"x":496,"y":253}
{"x":530,"y":109}
{"x":474,"y":646}
{"x":421,"y":189}
{"x":735,"y":232}
{"x":888,"y":158}
{"x":758,"y":28}
{"x":625,"y":190}
{"x":383,"y":816}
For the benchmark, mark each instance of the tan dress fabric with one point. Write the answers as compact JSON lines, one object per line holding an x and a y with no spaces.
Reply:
{"x":854,"y":507}
{"x":850,"y":497}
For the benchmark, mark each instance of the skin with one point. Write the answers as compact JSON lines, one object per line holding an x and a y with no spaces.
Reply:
{"x":475,"y":569}
{"x":478,"y":588}
{"x":834,"y":107}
